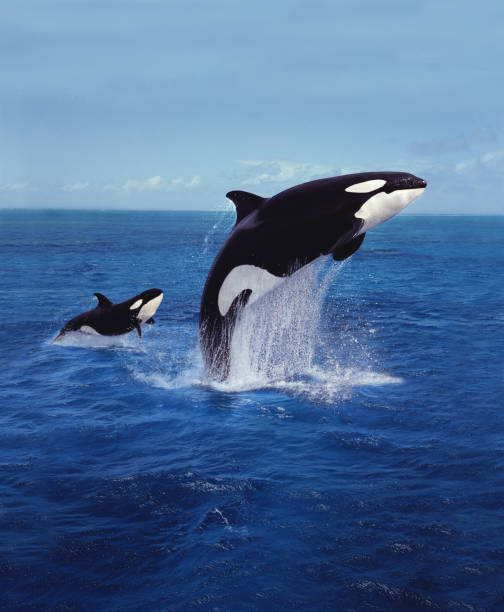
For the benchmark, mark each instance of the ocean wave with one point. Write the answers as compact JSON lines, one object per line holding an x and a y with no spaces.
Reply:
{"x":281,"y":343}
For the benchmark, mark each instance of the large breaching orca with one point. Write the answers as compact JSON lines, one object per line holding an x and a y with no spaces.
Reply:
{"x":274,"y":237}
{"x":109,"y":319}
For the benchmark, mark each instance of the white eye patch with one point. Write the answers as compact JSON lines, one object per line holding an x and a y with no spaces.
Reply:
{"x":136,"y":305}
{"x":366,"y":186}
{"x":243,"y":277}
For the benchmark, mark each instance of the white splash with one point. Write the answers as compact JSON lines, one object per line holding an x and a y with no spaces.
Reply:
{"x":189,"y":375}
{"x":278,"y":342}
{"x":281,"y":343}
{"x":95,"y":340}
{"x":276,"y":337}
{"x":224,"y":222}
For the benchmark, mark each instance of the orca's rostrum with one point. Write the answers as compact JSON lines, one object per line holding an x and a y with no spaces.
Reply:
{"x":274,"y":237}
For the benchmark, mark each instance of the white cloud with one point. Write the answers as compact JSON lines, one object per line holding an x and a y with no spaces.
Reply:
{"x":153,"y":184}
{"x":250,"y":162}
{"x":282,"y":171}
{"x":73,"y":187}
{"x":16,"y":187}
{"x":462,"y":166}
{"x":485,"y":160}
{"x":472,"y":183}
{"x":492,"y":156}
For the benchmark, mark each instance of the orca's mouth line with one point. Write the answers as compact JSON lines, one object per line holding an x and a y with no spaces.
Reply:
{"x":383,"y":206}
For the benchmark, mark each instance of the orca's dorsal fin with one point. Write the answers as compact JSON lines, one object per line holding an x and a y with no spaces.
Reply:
{"x":102,"y":300}
{"x":245,"y":203}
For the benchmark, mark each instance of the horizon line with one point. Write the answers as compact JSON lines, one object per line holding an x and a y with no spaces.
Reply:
{"x":221,"y":210}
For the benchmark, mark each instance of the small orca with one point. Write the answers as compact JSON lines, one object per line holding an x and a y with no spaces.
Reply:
{"x":109,"y":319}
{"x":274,"y":237}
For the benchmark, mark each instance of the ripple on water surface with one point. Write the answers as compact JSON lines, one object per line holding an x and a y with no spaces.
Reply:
{"x":352,"y":461}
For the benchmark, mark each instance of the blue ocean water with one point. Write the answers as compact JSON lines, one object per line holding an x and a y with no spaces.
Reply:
{"x":354,"y":460}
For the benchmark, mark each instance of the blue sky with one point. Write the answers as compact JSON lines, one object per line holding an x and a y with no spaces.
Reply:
{"x":169,"y":104}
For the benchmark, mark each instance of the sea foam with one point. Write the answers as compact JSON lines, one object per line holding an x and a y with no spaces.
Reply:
{"x":281,"y":343}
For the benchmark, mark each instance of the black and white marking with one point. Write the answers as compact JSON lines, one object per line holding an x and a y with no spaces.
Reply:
{"x":109,"y":319}
{"x":274,"y":237}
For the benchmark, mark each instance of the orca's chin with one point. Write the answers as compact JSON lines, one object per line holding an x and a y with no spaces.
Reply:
{"x":58,"y":337}
{"x":383,"y":206}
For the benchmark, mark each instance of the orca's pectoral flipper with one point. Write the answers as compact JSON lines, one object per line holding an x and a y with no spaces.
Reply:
{"x":138,"y":328}
{"x":245,"y":203}
{"x":102,"y":300}
{"x":150,"y":321}
{"x":347,"y":249}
